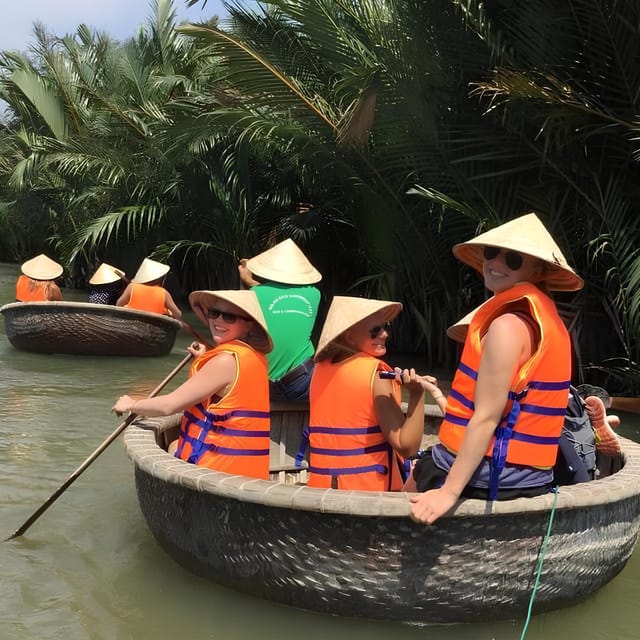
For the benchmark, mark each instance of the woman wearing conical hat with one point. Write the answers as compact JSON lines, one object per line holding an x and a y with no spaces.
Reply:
{"x":596,"y":399}
{"x":283,"y":278}
{"x":107,"y":284}
{"x":225,"y":401}
{"x":504,"y":414}
{"x":37,"y":282}
{"x":146,"y":293}
{"x":358,"y":434}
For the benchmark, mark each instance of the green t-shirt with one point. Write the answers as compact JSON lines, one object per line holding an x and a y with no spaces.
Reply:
{"x":290,"y":311}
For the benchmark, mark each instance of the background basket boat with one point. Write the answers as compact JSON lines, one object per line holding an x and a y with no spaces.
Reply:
{"x":88,"y":329}
{"x":357,"y":553}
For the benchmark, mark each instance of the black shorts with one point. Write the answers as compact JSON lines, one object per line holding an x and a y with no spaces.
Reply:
{"x":428,"y":476}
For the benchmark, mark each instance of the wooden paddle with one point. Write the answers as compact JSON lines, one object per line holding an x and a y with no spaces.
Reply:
{"x":189,"y":329}
{"x":71,"y":478}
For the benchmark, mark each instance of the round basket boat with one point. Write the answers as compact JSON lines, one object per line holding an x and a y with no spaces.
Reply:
{"x":84,"y":328}
{"x":357,"y":553}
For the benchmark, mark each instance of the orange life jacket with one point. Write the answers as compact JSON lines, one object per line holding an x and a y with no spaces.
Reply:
{"x":29,"y":290}
{"x":232,"y":434}
{"x":347,"y":449}
{"x":146,"y":297}
{"x":534,"y":410}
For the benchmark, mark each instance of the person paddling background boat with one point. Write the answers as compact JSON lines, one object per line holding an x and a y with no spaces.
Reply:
{"x":226,"y":419}
{"x":283,"y":280}
{"x":358,"y":434}
{"x":505,"y":412}
{"x":107,"y":284}
{"x":146,"y":292}
{"x":37,"y":282}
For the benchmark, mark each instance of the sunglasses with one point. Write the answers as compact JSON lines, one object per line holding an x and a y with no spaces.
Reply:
{"x":374,"y":332}
{"x":512,"y":259}
{"x":229,"y":318}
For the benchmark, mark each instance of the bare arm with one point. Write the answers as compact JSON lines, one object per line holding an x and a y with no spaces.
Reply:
{"x":403,"y":433}
{"x":125,"y":297}
{"x":430,"y":384}
{"x":214,"y":378}
{"x":52,"y":292}
{"x":506,"y":346}
{"x":172,"y":306}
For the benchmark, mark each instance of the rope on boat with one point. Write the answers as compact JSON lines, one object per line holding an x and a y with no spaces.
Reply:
{"x":543,"y":550}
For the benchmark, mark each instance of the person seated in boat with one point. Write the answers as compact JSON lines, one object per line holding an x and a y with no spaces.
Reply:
{"x":106,"y":285}
{"x":358,"y":435}
{"x":37,"y":282}
{"x":226,"y":419}
{"x":283,"y":280}
{"x":505,"y":412}
{"x":146,"y":292}
{"x":596,"y":401}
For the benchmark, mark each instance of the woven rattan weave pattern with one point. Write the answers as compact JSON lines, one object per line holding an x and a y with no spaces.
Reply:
{"x":88,"y":329}
{"x":358,"y":553}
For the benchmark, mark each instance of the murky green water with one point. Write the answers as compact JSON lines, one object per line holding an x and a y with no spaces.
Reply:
{"x":88,"y":568}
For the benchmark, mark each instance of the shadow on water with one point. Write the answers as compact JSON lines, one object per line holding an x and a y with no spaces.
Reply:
{"x":89,"y":568}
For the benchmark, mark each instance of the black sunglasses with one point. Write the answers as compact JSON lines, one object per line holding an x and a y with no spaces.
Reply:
{"x":512,"y":259}
{"x":374,"y":332}
{"x":229,"y":318}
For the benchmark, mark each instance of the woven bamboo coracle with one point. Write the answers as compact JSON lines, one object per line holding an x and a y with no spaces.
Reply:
{"x":88,"y":329}
{"x":357,"y":553}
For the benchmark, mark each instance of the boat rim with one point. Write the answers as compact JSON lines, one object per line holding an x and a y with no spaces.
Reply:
{"x":95,"y":308}
{"x":143,"y":449}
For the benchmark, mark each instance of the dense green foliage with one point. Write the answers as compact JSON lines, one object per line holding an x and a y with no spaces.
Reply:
{"x":376,"y":133}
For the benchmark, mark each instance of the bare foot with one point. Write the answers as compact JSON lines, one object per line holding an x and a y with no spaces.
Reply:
{"x":606,"y":440}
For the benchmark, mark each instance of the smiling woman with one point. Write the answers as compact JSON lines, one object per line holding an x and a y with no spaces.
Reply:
{"x":358,"y":434}
{"x":226,"y":399}
{"x":503,"y":418}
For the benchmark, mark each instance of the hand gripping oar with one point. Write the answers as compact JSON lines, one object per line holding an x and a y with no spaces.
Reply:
{"x":71,"y":478}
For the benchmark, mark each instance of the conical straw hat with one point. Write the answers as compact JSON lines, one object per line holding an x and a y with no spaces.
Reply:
{"x":284,"y":263}
{"x":458,"y":331}
{"x":105,"y":274}
{"x":150,"y":270}
{"x":345,"y":312}
{"x":42,"y":268}
{"x":525,"y":234}
{"x":245,"y":300}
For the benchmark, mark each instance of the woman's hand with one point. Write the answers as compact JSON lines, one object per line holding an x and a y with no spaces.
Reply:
{"x":414,"y":383}
{"x":429,"y":506}
{"x":123,"y":405}
{"x":196,"y":349}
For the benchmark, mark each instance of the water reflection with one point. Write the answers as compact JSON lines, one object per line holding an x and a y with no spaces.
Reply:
{"x":88,"y":568}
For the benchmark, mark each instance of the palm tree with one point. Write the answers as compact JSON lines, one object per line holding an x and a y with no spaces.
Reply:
{"x":375,"y":96}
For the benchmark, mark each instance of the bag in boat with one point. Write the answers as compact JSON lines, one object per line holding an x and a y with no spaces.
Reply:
{"x":576,"y":460}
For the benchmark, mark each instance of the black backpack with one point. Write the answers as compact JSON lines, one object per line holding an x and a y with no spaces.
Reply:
{"x":576,"y":460}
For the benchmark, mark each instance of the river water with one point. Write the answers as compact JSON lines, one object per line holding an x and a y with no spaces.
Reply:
{"x":89,"y":569}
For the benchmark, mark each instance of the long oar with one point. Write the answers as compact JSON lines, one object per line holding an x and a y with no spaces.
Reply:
{"x":189,"y":329}
{"x":71,"y":478}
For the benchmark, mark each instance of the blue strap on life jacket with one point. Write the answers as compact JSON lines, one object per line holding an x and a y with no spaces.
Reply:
{"x":306,"y":433}
{"x":212,"y":423}
{"x":501,"y":443}
{"x":199,"y":448}
{"x":342,"y":471}
{"x":357,"y":451}
{"x":191,"y":418}
{"x":342,"y":431}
